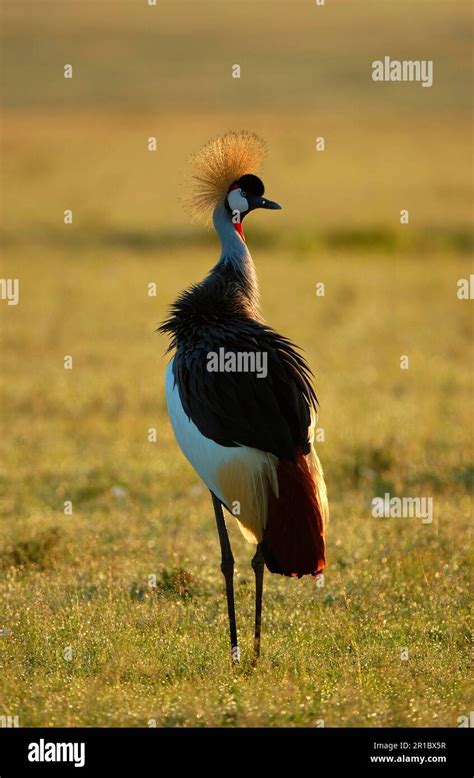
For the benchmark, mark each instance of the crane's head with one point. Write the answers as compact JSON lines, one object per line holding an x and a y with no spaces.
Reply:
{"x":221,"y":177}
{"x":245,"y":195}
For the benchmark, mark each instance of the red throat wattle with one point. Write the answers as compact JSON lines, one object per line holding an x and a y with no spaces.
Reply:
{"x":239,"y":229}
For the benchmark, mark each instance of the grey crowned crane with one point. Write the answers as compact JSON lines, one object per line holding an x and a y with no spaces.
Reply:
{"x":248,"y":433}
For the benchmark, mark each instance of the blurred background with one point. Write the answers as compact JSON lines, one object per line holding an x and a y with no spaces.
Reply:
{"x":156,"y":648}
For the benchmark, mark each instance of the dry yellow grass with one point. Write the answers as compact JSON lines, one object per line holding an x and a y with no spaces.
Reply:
{"x":81,"y":582}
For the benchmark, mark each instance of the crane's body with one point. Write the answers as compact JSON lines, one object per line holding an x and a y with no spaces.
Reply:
{"x":248,"y":434}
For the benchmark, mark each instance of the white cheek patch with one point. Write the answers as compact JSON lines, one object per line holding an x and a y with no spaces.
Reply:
{"x":237,"y":202}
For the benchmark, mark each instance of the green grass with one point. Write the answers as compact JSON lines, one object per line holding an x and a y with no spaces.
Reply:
{"x":161,"y":653}
{"x":81,"y":582}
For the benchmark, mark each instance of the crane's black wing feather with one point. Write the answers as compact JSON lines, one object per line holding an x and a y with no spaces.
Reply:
{"x":271,"y":413}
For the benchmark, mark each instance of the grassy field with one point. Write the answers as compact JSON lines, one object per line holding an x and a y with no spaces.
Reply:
{"x":86,"y":639}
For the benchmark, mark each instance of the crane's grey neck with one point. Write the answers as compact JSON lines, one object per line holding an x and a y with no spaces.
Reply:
{"x":235,"y":260}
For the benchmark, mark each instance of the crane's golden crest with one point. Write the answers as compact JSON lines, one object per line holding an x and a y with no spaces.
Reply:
{"x":217,"y":165}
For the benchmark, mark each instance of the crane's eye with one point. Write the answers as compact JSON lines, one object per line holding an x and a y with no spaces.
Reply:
{"x":242,"y":193}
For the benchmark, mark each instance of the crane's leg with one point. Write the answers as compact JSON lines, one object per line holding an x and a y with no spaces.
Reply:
{"x":258,"y":568}
{"x":227,"y":567}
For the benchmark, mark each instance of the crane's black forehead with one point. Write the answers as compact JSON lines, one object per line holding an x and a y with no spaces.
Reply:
{"x":252,"y":184}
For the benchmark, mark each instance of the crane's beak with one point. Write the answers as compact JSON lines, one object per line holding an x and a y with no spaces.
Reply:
{"x":262,"y":202}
